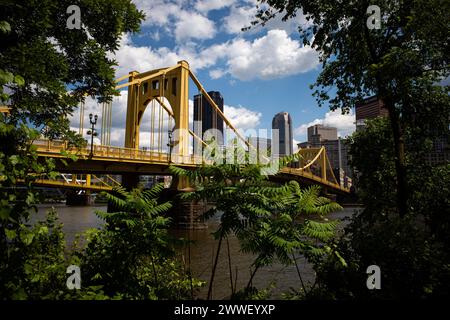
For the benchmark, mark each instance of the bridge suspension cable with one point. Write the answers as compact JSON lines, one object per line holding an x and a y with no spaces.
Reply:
{"x":165,"y":92}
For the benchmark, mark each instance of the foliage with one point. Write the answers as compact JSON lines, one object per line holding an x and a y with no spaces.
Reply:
{"x":18,"y":164}
{"x":53,"y":60}
{"x":410,"y":251}
{"x":33,"y":265}
{"x":41,"y":61}
{"x":252,"y":293}
{"x":272,"y":222}
{"x":131,"y":256}
{"x":407,"y":55}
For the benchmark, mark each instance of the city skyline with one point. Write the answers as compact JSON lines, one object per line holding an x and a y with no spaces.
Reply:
{"x":282,"y":122}
{"x":208,"y":35}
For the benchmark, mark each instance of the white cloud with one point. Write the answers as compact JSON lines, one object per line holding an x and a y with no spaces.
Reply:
{"x":295,"y":142}
{"x":192,"y":25}
{"x":272,"y":56}
{"x":131,"y":57}
{"x":345,"y":124}
{"x":239,"y":18}
{"x":177,"y":19}
{"x":217,"y":73}
{"x":241,"y":15}
{"x":208,"y":5}
{"x":157,"y":12}
{"x":242,"y":118}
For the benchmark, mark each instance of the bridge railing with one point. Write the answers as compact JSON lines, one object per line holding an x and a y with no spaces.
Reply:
{"x":53,"y":147}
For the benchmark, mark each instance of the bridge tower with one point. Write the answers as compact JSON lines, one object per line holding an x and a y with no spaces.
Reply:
{"x":170,"y":84}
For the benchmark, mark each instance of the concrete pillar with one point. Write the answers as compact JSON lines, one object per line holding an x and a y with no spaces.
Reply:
{"x":185,"y":214}
{"x":130,"y":181}
{"x":74,"y":199}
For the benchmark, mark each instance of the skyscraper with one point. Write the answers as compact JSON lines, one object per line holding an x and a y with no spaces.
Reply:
{"x":370,"y":108}
{"x":207,"y":115}
{"x":283,"y":123}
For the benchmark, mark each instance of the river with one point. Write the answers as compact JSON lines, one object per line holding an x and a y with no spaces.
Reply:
{"x":77,"y":219}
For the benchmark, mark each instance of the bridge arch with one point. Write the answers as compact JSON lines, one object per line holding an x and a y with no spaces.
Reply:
{"x":154,"y":123}
{"x":170,"y":84}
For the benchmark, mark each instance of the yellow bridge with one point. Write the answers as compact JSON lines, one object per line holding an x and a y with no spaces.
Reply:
{"x":173,"y":138}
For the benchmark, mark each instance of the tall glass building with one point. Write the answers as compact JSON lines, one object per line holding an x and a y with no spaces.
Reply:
{"x":207,"y":116}
{"x":283,"y":123}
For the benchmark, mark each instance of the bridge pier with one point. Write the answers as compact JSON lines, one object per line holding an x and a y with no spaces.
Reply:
{"x":74,"y":199}
{"x":185,"y":214}
{"x":130,"y":180}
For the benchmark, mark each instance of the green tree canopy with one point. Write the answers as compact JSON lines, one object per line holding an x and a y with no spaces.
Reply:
{"x":410,"y":51}
{"x":53,"y":60}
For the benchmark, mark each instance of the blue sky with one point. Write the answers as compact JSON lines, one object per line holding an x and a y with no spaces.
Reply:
{"x":259,"y":72}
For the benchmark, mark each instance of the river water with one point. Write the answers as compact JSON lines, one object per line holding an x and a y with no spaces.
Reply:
{"x":202,"y":252}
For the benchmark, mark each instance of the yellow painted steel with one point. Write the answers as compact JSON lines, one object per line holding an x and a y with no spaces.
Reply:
{"x":152,"y":89}
{"x":309,"y":158}
{"x":90,"y":183}
{"x":5,"y":109}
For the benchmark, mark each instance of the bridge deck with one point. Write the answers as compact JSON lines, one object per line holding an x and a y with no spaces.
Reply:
{"x":117,"y":160}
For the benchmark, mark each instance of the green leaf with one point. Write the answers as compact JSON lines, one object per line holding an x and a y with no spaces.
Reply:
{"x":6,"y":77}
{"x":4,"y":213}
{"x":26,"y":237}
{"x":5,"y":27}
{"x":341,"y":259}
{"x":14,"y":159}
{"x":19,"y":80}
{"x":10,"y":234}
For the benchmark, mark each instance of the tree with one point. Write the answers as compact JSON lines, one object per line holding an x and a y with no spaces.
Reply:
{"x":58,"y":66}
{"x":131,"y":257}
{"x":45,"y":70}
{"x":273,"y":222}
{"x":410,"y":51}
{"x":410,"y":251}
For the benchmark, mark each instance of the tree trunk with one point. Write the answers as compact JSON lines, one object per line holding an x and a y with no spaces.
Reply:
{"x":251,"y":277}
{"x":213,"y":272}
{"x":400,"y":166}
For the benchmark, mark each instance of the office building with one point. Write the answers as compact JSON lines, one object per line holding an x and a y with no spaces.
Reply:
{"x":318,"y":133}
{"x":373,"y":107}
{"x":206,"y":115}
{"x":370,"y":108}
{"x":283,"y":123}
{"x":262,"y":145}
